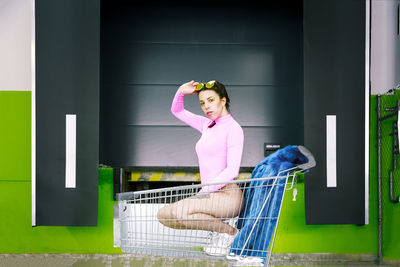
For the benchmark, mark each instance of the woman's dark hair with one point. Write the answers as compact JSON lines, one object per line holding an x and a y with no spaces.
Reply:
{"x":219,"y":88}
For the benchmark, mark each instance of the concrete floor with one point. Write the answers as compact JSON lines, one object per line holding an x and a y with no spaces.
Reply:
{"x":125,"y":260}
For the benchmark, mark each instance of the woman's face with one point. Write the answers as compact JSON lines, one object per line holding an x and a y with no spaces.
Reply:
{"x":211,"y":104}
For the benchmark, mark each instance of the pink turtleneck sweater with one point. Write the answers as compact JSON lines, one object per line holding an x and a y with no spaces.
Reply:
{"x":219,"y":150}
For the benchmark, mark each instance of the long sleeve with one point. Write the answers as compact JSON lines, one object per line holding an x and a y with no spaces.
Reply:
{"x":179,"y":111}
{"x":235,"y":141}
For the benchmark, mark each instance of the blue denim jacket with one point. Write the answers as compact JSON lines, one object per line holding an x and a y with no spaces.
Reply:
{"x":255,"y":196}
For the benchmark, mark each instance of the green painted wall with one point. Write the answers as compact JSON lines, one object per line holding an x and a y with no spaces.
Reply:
{"x":16,"y":233}
{"x":18,"y":236}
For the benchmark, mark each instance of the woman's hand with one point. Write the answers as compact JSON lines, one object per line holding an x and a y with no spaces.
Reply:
{"x":188,"y":88}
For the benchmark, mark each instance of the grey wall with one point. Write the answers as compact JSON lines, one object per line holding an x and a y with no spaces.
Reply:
{"x":15,"y":46}
{"x":149,"y":50}
{"x":385,"y":46}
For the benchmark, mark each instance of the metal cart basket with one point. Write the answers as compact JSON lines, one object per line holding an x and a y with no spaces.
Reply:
{"x":142,"y":232}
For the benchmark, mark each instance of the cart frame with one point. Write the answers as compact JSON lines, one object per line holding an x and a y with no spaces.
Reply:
{"x":134,"y":214}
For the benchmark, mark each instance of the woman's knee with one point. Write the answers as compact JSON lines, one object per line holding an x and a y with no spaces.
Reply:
{"x":169,"y":213}
{"x":171,"y":217}
{"x":164,"y":214}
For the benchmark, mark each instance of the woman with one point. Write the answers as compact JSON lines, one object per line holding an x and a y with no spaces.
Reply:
{"x":219,"y":152}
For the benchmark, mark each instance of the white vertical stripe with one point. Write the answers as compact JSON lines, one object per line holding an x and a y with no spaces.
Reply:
{"x":367,"y":94}
{"x":70,"y":151}
{"x":331,"y":150}
{"x":33,"y":114}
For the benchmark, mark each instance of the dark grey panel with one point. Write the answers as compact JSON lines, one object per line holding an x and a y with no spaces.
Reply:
{"x":67,"y":82}
{"x":167,"y":63}
{"x":148,"y":50}
{"x":334,"y":69}
{"x":151,"y":104}
{"x":230,"y":22}
{"x":142,"y":146}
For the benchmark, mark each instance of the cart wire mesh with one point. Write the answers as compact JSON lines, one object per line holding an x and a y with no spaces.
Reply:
{"x":143,"y":233}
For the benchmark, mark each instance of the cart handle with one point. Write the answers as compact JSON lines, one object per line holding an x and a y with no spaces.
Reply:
{"x":311,"y":160}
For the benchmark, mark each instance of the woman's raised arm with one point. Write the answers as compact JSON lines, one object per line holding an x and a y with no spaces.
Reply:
{"x":179,"y":111}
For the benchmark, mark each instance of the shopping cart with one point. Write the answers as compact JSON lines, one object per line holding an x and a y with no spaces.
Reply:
{"x":142,"y":233}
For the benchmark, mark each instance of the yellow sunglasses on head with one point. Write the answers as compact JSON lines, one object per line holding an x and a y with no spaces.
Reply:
{"x":208,"y":85}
